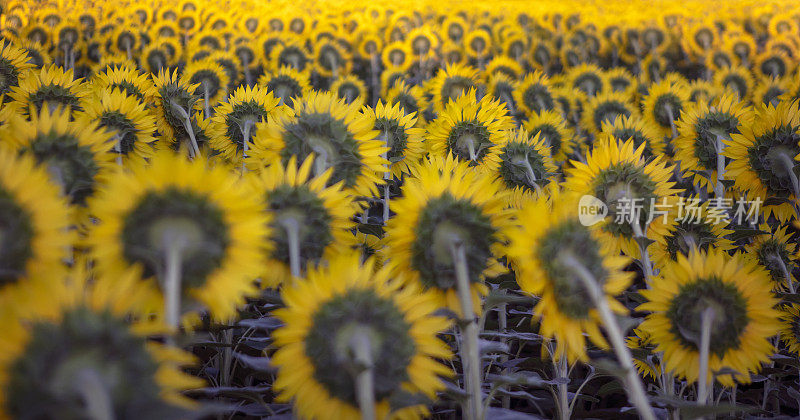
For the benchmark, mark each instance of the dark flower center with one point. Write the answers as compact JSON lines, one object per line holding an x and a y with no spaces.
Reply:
{"x":16,"y":234}
{"x":313,"y":220}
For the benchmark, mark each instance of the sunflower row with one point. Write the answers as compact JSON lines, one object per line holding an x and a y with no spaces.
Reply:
{"x":164,"y":166}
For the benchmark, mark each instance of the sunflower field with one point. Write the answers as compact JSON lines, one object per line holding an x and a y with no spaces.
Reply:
{"x":241,"y":209}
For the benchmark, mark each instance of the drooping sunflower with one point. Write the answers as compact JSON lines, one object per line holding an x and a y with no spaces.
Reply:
{"x":75,"y":153}
{"x":543,"y":248}
{"x":321,"y":214}
{"x":444,"y":204}
{"x":701,"y":127}
{"x":624,"y":128}
{"x":619,"y":79}
{"x":526,"y":166}
{"x":478,"y":43}
{"x":471,"y":130}
{"x":790,"y":333}
{"x":399,"y":131}
{"x":450,"y":83}
{"x":503,"y":65}
{"x":690,"y":225}
{"x":533,"y":95}
{"x":770,"y":90}
{"x":774,"y":249}
{"x":340,"y":306}
{"x":339,"y":136}
{"x":397,"y":55}
{"x":553,"y":131}
{"x":238,"y":117}
{"x":350,"y":88}
{"x":606,"y":107}
{"x":502,"y":88}
{"x":774,"y":63}
{"x":762,"y":157}
{"x":176,"y":106}
{"x":736,"y":291}
{"x":172,"y":206}
{"x":36,"y":222}
{"x":616,"y":173}
{"x":331,"y":60}
{"x":286,"y":84}
{"x":52,"y":85}
{"x":14,"y":62}
{"x":129,"y":123}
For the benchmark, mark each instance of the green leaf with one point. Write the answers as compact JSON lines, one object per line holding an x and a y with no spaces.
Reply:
{"x":371,"y":229}
{"x":497,"y":297}
{"x":744,"y":233}
{"x":690,"y":410}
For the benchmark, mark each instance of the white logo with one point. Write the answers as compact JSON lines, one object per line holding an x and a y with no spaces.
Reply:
{"x":591,"y":210}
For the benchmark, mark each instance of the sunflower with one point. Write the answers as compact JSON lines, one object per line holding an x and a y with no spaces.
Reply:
{"x":37,"y":54}
{"x":237,"y":118}
{"x":321,"y":215}
{"x":176,"y":104}
{"x":422,"y":42}
{"x":790,"y":333}
{"x":36,"y":222}
{"x":471,"y":130}
{"x":345,"y":304}
{"x":533,"y":94}
{"x":548,"y":232}
{"x":14,"y":62}
{"x":774,"y":249}
{"x":663,"y":105}
{"x":616,"y":174}
{"x":702,"y":128}
{"x":127,"y":80}
{"x":478,"y":43}
{"x":446,"y":202}
{"x":172,"y":206}
{"x":350,"y":88}
{"x":553,"y":131}
{"x":331,"y":60}
{"x":450,"y":83}
{"x":690,"y":225}
{"x":211,"y":81}
{"x":70,"y":350}
{"x":624,"y":128}
{"x":287,"y":84}
{"x":399,"y":132}
{"x":52,"y":85}
{"x":290,"y":53}
{"x":410,"y":98}
{"x":526,"y":166}
{"x":762,"y":157}
{"x":454,"y":28}
{"x":606,"y":107}
{"x":339,"y":136}
{"x":130,"y":124}
{"x":699,"y":38}
{"x":774,"y":63}
{"x":503,"y":65}
{"x":155,"y":58}
{"x":738,"y":294}
{"x":646,"y":364}
{"x":75,"y":153}
{"x":502,"y":88}
{"x":398,"y":55}
{"x":620,"y":80}
{"x":586,"y":77}
{"x":736,"y":79}
{"x":770,"y":90}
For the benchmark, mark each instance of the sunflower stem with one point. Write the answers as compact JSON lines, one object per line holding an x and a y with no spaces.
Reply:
{"x":671,"y":116}
{"x":292,"y":228}
{"x":206,"y":95}
{"x":96,"y":395}
{"x":361,"y":345}
{"x":502,"y":321}
{"x":248,"y":124}
{"x":469,"y":343}
{"x":66,"y":56}
{"x":473,"y":155}
{"x":719,"y":190}
{"x":246,"y":68}
{"x":386,"y":212}
{"x":118,"y":148}
{"x":187,"y":125}
{"x":562,"y":371}
{"x":789,"y":283}
{"x":788,"y":165}
{"x":647,"y":266}
{"x":707,"y":320}
{"x":172,"y":281}
{"x":634,"y":386}
{"x":375,"y":79}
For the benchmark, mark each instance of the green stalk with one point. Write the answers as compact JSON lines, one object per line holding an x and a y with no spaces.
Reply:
{"x":471,"y":357}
